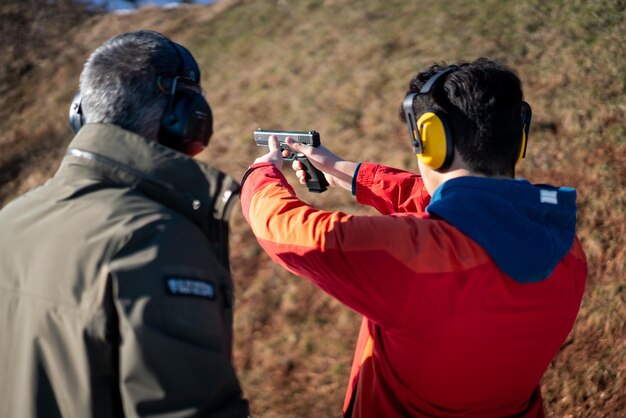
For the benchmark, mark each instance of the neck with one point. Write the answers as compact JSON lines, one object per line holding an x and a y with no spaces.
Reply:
{"x":440,"y":178}
{"x":433,"y":178}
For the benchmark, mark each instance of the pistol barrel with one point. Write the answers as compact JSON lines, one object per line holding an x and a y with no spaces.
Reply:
{"x":312,"y":138}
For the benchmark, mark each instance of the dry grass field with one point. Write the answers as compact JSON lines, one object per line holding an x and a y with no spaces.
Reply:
{"x":342,"y":67}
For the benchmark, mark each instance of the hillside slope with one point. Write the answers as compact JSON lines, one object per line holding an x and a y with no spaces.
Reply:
{"x":342,"y":67}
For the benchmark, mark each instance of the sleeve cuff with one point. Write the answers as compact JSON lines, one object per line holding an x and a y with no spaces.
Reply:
{"x":356,"y":173}
{"x":364,"y":180}
{"x":251,"y":169}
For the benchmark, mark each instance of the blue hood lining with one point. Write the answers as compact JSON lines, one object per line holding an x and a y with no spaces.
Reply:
{"x":526,"y":229}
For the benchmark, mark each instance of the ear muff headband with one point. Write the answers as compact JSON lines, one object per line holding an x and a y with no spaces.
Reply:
{"x":188,"y":66}
{"x":411,"y":122}
{"x":430,"y":134}
{"x":431,"y":82}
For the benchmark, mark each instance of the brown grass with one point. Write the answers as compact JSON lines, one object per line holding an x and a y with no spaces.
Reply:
{"x":341,"y":67}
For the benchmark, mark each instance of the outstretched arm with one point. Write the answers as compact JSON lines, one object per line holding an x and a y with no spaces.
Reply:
{"x":363,"y":261}
{"x":387,"y":189}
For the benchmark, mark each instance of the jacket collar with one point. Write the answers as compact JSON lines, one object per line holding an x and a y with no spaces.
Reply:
{"x":166,"y":176}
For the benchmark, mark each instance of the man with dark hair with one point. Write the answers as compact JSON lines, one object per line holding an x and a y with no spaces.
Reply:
{"x":470,"y":280}
{"x":115,"y":291}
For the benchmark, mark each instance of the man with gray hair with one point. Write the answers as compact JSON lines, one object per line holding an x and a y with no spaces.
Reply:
{"x":115,"y":291}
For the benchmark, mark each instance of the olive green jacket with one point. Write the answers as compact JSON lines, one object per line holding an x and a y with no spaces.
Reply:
{"x":115,"y":292}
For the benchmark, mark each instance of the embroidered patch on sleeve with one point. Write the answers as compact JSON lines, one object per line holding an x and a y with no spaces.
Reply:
{"x":182,"y":286}
{"x":549,"y":196}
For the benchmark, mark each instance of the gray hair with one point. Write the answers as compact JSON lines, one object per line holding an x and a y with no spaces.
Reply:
{"x":118,"y":83}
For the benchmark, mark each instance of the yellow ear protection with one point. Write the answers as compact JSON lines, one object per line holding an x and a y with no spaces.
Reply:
{"x":430,"y":133}
{"x":527,"y":115}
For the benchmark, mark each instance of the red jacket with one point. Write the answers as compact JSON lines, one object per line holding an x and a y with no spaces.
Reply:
{"x":446,"y":332}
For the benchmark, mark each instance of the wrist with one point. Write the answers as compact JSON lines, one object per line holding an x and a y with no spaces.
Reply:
{"x":344,"y":172}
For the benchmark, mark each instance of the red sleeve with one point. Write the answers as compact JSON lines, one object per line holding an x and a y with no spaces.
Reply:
{"x":369,"y":263}
{"x":390,"y":190}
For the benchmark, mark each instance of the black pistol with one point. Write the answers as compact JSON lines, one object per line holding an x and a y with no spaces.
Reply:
{"x":315,"y":180}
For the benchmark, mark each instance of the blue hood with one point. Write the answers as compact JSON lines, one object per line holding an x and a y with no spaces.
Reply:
{"x":526,"y":229}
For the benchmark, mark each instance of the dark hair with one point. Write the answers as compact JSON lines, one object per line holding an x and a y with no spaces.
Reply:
{"x":118,"y":83}
{"x":481,"y":102}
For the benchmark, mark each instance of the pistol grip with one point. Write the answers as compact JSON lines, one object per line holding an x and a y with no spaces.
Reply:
{"x":315,"y":179}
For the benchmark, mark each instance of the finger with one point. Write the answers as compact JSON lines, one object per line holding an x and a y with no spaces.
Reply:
{"x":301,"y":175}
{"x":273,"y":143}
{"x":296,"y":165}
{"x":298,"y":147}
{"x":286,"y":153}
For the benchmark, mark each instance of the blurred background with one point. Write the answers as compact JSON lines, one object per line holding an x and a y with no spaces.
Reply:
{"x":113,"y":5}
{"x":342,"y":67}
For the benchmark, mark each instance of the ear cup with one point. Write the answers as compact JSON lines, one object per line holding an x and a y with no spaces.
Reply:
{"x":527,"y":115}
{"x":187,"y":123}
{"x":436,"y":140}
{"x":430,"y":134}
{"x":76,"y":118}
{"x":522,"y":151}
